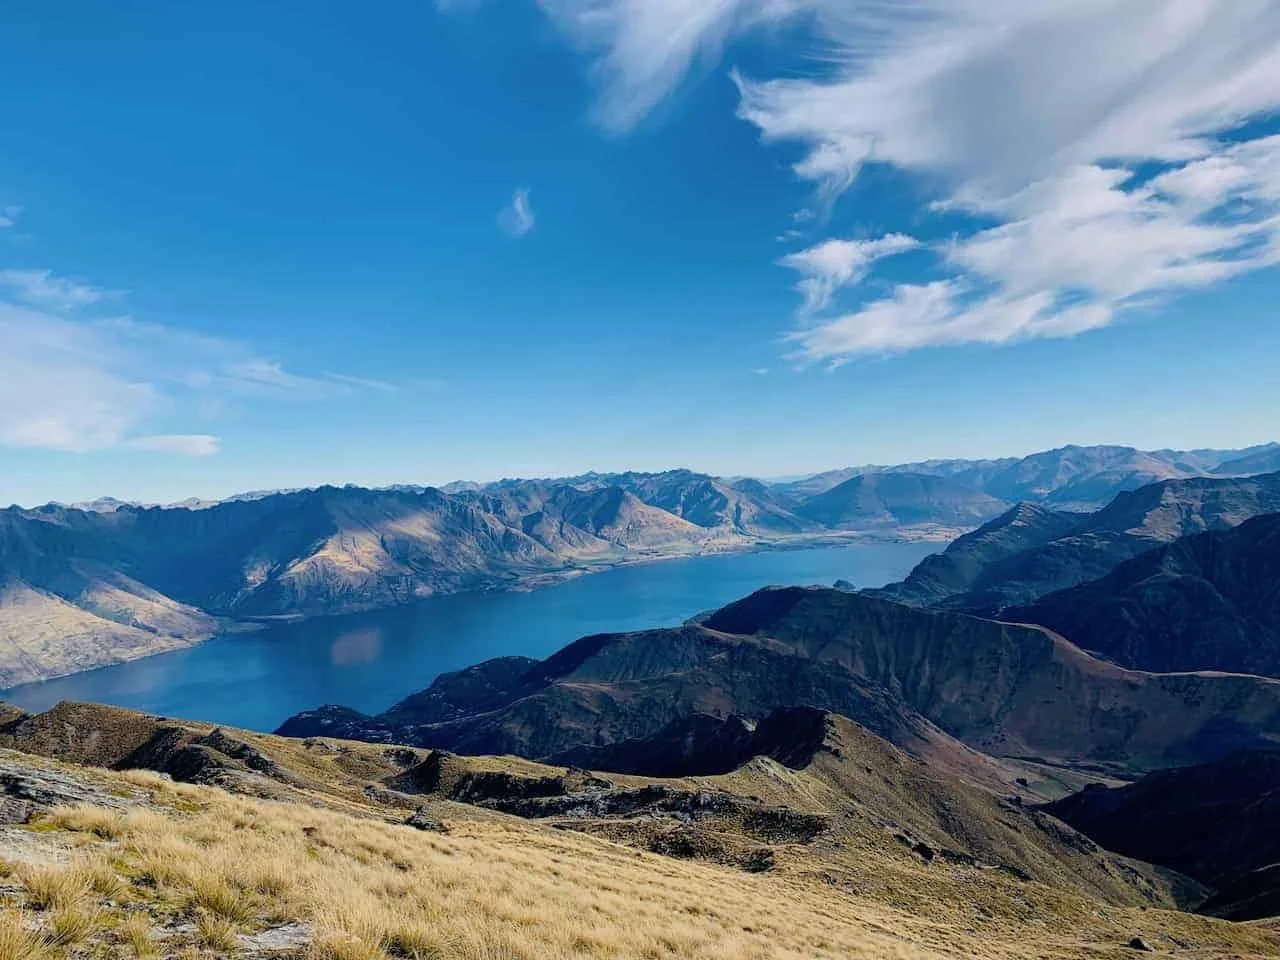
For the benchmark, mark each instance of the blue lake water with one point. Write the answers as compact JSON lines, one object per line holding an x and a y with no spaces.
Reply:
{"x":369,"y":661}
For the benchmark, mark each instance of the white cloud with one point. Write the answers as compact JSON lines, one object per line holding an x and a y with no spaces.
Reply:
{"x":517,"y":218}
{"x":9,"y":216}
{"x":833,"y":264}
{"x":1044,"y":119}
{"x":942,"y":313}
{"x":93,"y":384}
{"x":182,"y":444}
{"x":61,"y":386}
{"x":44,"y":288}
{"x":644,"y":48}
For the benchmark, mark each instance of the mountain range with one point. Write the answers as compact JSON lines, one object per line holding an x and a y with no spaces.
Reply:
{"x":940,"y":685}
{"x":81,"y":588}
{"x":1031,"y":551}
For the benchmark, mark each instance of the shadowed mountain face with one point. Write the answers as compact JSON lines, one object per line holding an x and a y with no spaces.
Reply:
{"x":1214,"y":822}
{"x":1011,"y":563}
{"x":920,"y":679}
{"x":1205,"y":602}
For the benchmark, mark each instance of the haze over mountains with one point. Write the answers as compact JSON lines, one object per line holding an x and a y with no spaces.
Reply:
{"x":80,"y":588}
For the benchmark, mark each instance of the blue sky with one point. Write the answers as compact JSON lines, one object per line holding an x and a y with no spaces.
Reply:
{"x":286,"y":244}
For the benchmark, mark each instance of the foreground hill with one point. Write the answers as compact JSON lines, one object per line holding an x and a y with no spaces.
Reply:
{"x":1022,"y":556}
{"x":1215,"y":822}
{"x":829,"y":844}
{"x":920,"y":679}
{"x":1205,"y":602}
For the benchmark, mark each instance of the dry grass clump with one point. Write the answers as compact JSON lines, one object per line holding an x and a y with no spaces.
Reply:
{"x":216,"y":933}
{"x":84,"y":818}
{"x":19,"y":943}
{"x":53,"y":887}
{"x":73,"y":923}
{"x":135,"y":932}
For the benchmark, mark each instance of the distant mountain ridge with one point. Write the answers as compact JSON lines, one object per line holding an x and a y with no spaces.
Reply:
{"x":1209,"y":601}
{"x":1070,"y":477}
{"x":1029,"y":552}
{"x":81,"y":588}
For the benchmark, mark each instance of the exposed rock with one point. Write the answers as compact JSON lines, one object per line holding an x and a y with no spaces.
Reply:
{"x":1137,"y":943}
{"x":421,"y":820}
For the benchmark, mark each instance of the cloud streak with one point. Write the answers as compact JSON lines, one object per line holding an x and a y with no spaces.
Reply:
{"x":833,"y":264}
{"x":517,"y":219}
{"x":46,"y":289}
{"x":76,"y":383}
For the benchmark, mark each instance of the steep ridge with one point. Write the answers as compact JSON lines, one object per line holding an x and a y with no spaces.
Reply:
{"x":920,"y":679}
{"x":900,"y":499}
{"x":1131,"y":524}
{"x":1210,"y":601}
{"x":1215,"y":822}
{"x":956,"y":569}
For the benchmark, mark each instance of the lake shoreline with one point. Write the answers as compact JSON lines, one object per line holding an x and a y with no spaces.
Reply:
{"x":253,"y":679}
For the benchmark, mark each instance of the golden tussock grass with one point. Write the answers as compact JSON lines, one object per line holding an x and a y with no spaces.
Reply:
{"x":218,"y":865}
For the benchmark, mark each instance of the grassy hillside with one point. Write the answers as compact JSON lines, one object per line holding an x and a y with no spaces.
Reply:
{"x":304,"y":851}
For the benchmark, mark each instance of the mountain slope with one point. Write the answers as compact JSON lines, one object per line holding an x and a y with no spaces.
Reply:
{"x":830,"y":843}
{"x":1131,"y":524}
{"x":1215,"y":822}
{"x":899,"y":499}
{"x":920,"y":679}
{"x":1264,"y":459}
{"x":956,"y":569}
{"x":1205,"y":602}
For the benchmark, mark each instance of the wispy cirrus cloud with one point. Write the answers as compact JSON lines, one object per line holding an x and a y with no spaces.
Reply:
{"x":46,"y":289}
{"x":9,"y":216}
{"x":77,"y":382}
{"x":833,"y":264}
{"x":517,"y":218}
{"x":1101,"y":173}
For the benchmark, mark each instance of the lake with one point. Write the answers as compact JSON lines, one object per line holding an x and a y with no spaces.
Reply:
{"x":369,"y":661}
